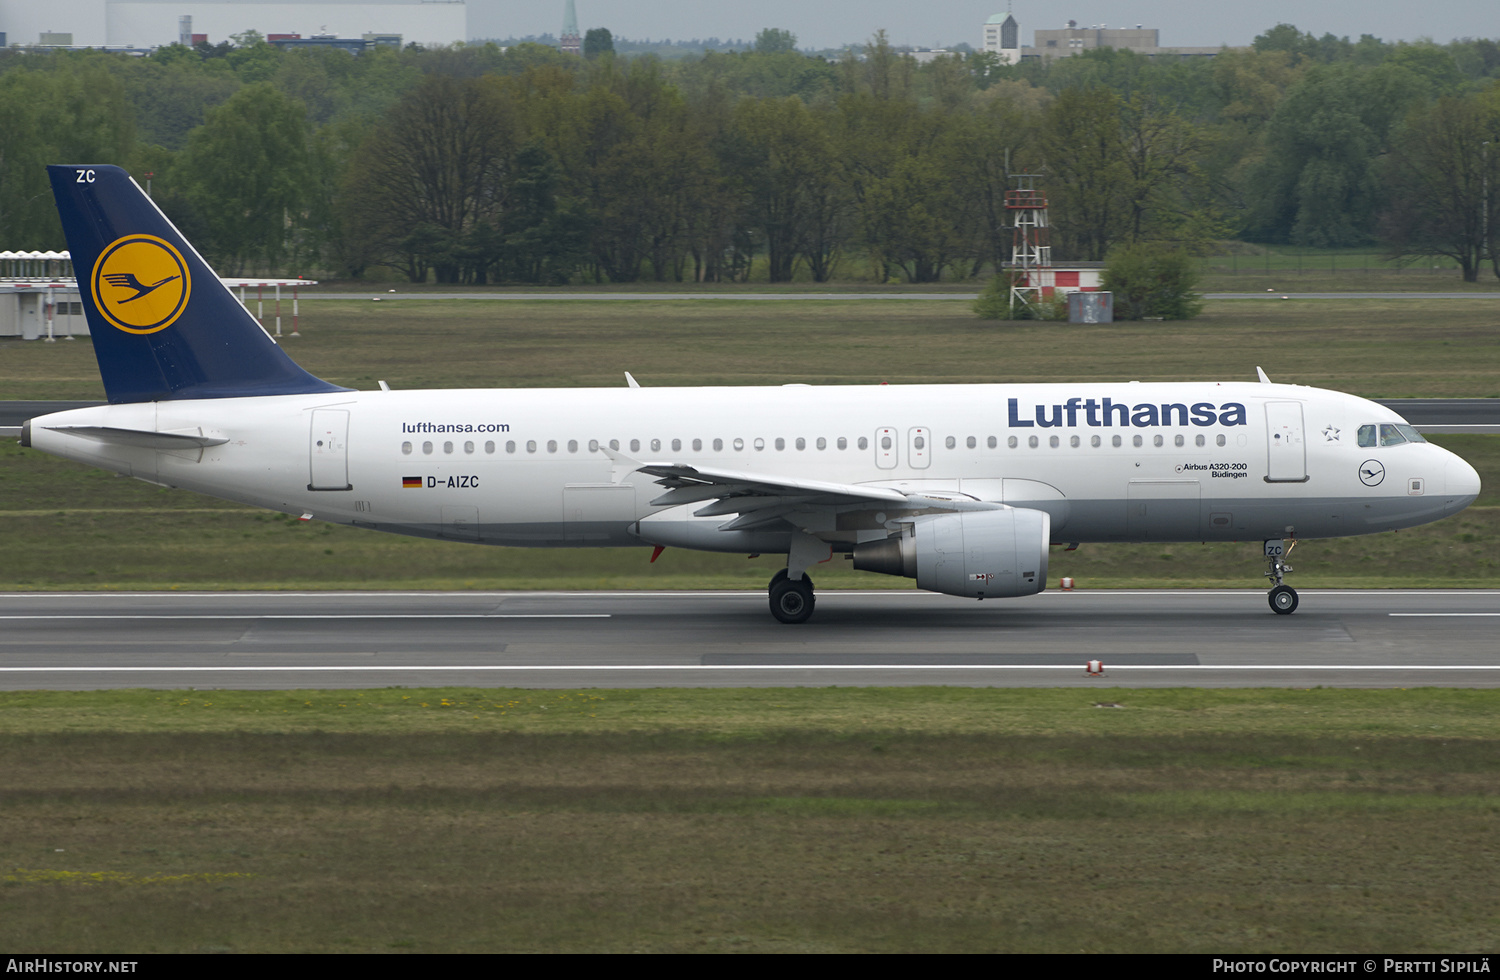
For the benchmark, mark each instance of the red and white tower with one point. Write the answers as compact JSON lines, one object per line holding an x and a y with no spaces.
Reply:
{"x":1031,"y":248}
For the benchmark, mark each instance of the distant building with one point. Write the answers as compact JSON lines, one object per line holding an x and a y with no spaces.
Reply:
{"x":1002,"y":36}
{"x":152,"y":23}
{"x":571,"y":41}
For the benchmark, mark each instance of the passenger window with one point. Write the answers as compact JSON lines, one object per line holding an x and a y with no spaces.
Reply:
{"x":760,"y":444}
{"x":1391,"y":436}
{"x":447,"y":447}
{"x":531,"y":445}
{"x":1095,"y":441}
{"x":593,"y":445}
{"x":1157,"y":441}
{"x":1033,"y":442}
{"x":426,"y":449}
{"x":863,"y":442}
{"x":843,"y":443}
{"x":572,"y":445}
{"x":697,"y":445}
{"x":406,"y":449}
{"x":1200,"y":441}
{"x":1073,"y":442}
{"x":780,"y":444}
{"x":801,"y":443}
{"x":1219,"y":439}
{"x":1012,"y":442}
{"x":993,"y":442}
{"x":822,"y":443}
{"x":468,"y":447}
{"x":551,"y":445}
{"x":1052,"y":442}
{"x":510,"y":447}
{"x":614,"y":444}
{"x":739,"y":445}
{"x":1136,"y":441}
{"x":635,"y":445}
{"x":1178,"y":440}
{"x":656,"y":445}
{"x":971,"y":442}
{"x":718,"y":445}
{"x":1367,"y":436}
{"x":489,"y":447}
{"x":676,"y":445}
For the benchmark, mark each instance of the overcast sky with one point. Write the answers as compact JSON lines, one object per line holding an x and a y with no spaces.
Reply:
{"x":833,"y":23}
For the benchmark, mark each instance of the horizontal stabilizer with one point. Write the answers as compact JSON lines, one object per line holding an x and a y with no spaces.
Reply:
{"x":140,"y":438}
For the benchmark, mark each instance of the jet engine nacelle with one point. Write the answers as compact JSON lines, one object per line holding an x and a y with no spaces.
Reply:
{"x":985,"y":554}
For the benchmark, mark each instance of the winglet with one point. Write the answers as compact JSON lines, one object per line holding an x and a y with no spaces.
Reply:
{"x":631,"y":381}
{"x":624,"y":465}
{"x":1262,"y":375}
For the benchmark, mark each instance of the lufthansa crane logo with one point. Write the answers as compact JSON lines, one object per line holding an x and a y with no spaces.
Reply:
{"x":141,"y":284}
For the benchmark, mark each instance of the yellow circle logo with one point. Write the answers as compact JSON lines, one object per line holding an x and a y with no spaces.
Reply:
{"x":141,"y":284}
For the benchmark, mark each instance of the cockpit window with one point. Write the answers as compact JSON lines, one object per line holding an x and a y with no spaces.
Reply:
{"x":1412,"y":435}
{"x":1390,"y":435}
{"x":1367,"y":436}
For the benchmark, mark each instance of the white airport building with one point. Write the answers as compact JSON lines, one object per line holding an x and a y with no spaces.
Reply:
{"x":150,"y":23}
{"x":1002,"y":36}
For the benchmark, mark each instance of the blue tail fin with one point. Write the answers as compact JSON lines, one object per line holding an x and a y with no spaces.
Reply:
{"x":163,"y":325}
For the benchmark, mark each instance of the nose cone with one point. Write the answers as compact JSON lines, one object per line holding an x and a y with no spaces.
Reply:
{"x":1462,"y":482}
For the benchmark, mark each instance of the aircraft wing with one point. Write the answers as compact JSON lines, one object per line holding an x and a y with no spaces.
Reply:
{"x":761,"y":499}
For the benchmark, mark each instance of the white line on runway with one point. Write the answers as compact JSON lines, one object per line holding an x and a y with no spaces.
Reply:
{"x":724,"y":594}
{"x":251,"y":615}
{"x":723,"y":667}
{"x":1444,"y":614}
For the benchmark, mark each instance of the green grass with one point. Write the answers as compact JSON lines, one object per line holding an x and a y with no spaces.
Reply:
{"x":1253,"y":268}
{"x":1389,"y":347}
{"x":768,"y":820}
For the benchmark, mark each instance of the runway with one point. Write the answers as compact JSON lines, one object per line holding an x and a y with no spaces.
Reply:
{"x":88,"y":641}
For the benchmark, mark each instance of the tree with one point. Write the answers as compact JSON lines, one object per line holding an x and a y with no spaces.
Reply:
{"x":1152,"y":281}
{"x":246,"y":173}
{"x":1088,"y":178}
{"x":774,"y":40}
{"x":598,"y":41}
{"x":434,"y":172}
{"x":1444,"y":181}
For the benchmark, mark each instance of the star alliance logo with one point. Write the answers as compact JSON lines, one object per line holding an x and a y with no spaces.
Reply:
{"x":1331,"y":434}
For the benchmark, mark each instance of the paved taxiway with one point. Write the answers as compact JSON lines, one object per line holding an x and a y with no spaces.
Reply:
{"x":728,"y":639}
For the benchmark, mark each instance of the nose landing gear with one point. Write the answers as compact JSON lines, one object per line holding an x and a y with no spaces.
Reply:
{"x":1283,"y":597}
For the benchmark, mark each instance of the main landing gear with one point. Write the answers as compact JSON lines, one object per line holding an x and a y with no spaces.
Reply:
{"x":791,"y":601}
{"x":1283,"y":597}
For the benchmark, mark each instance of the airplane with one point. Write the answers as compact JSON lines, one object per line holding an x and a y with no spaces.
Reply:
{"x":962,"y":488}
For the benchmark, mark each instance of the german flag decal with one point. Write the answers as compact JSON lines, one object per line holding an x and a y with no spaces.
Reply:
{"x":411,"y":481}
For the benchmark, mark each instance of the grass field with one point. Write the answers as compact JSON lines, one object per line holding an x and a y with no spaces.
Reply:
{"x":1384,"y":348}
{"x":65,"y":526}
{"x":830,"y":820}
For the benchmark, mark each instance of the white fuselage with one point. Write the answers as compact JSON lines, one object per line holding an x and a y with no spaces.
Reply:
{"x":1108,"y":462}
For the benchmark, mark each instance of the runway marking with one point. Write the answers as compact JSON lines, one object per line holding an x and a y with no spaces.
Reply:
{"x":1445,"y":614}
{"x":253,"y":615}
{"x":725,"y":667}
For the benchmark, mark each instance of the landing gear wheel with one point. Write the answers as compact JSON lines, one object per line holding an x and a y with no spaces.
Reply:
{"x":780,"y":576}
{"x":1283,"y":600}
{"x":792,"y":602}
